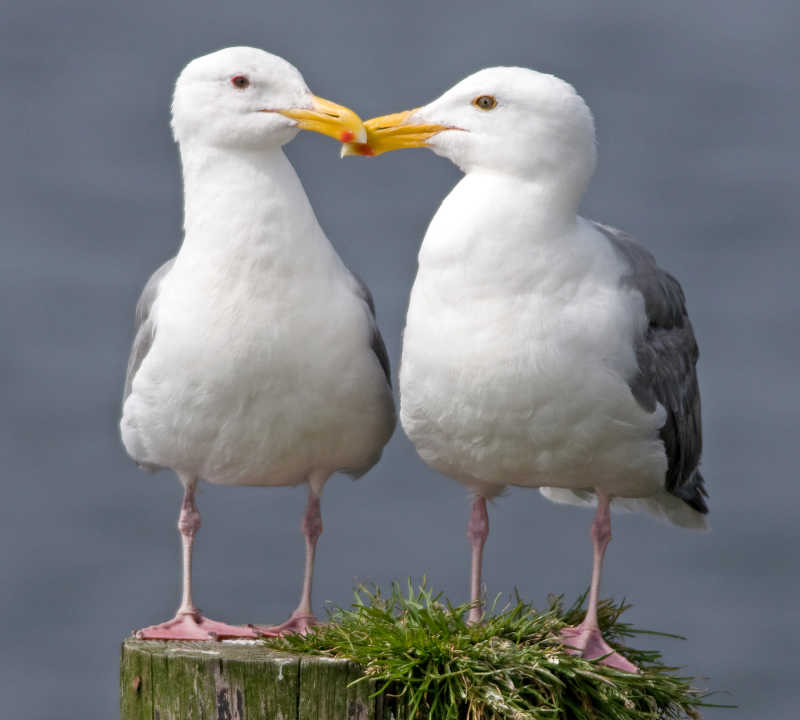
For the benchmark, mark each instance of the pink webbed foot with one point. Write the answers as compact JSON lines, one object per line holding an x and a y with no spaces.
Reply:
{"x":589,"y":642}
{"x":300,"y":624}
{"x":193,"y":626}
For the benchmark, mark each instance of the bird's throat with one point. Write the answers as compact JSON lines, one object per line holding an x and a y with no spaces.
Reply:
{"x":235,"y":202}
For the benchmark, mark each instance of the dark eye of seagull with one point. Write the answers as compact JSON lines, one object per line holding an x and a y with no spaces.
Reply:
{"x":484,"y":102}
{"x":240,"y":81}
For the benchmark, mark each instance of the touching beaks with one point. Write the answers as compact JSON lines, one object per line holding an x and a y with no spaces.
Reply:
{"x":328,"y":118}
{"x":392,"y":132}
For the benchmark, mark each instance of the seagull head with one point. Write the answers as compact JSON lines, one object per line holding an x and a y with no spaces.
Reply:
{"x":242,"y":97}
{"x":504,"y":119}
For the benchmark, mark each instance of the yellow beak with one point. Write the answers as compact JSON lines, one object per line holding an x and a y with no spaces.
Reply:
{"x":328,"y":118}
{"x":392,"y":132}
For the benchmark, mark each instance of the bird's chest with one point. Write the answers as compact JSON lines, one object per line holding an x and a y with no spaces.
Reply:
{"x":235,"y":341}
{"x":520,"y":376}
{"x":245,"y":371}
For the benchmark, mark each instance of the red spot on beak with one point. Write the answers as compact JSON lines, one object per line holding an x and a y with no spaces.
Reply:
{"x":364,"y":149}
{"x":346,"y":136}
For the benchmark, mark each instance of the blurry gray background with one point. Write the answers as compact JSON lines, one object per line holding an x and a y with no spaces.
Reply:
{"x":696,"y":107}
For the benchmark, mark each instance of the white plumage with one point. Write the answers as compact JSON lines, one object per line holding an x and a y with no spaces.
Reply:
{"x":257,"y":358}
{"x":541,"y":349}
{"x":516,"y":354}
{"x":261,"y":370}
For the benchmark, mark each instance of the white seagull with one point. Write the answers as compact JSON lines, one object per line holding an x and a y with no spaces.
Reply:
{"x":257,"y":359}
{"x":541,"y":349}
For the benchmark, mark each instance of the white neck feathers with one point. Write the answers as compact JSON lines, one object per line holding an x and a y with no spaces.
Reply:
{"x":243,"y":201}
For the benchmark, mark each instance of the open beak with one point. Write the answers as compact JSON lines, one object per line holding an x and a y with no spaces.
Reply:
{"x":393,"y":132}
{"x":328,"y":118}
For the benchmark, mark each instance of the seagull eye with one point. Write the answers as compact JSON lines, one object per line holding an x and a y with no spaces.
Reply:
{"x":240,"y":81}
{"x":484,"y":102}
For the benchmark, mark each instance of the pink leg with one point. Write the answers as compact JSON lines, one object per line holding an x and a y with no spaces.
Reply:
{"x":188,"y":623}
{"x":586,"y":639}
{"x":302,"y":619}
{"x":477,"y":532}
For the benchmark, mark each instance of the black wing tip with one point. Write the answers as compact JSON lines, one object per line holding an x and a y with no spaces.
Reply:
{"x":694,"y":493}
{"x":698,"y":503}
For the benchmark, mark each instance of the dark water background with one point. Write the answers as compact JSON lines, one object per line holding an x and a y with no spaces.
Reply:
{"x":696,"y":106}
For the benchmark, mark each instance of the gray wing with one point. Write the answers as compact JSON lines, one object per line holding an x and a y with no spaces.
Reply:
{"x":144,"y":327}
{"x":376,"y":340}
{"x":667,"y":355}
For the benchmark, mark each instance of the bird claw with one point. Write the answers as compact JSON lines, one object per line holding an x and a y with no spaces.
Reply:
{"x":589,"y":643}
{"x":299,"y":624}
{"x":193,"y":626}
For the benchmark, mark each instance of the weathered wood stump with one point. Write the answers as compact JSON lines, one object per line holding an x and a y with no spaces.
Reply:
{"x":235,"y":681}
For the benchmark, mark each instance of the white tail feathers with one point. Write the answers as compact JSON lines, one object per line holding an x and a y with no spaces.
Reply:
{"x":663,"y":505}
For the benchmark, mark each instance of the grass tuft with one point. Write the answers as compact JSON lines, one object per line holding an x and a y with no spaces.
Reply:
{"x":512,"y":666}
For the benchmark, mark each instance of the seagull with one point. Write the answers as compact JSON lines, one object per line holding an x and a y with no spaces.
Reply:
{"x":257,"y":359}
{"x":541,"y":349}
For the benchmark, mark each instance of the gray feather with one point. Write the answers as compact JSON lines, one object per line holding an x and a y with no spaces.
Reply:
{"x":144,"y":326}
{"x":667,"y":357}
{"x":376,"y":340}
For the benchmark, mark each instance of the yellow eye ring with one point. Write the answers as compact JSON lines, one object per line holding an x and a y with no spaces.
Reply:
{"x":485,"y":102}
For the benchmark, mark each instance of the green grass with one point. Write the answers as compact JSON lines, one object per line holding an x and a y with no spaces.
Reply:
{"x":511,"y":666}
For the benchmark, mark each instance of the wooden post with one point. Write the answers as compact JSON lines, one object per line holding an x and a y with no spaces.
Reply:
{"x":232,"y":680}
